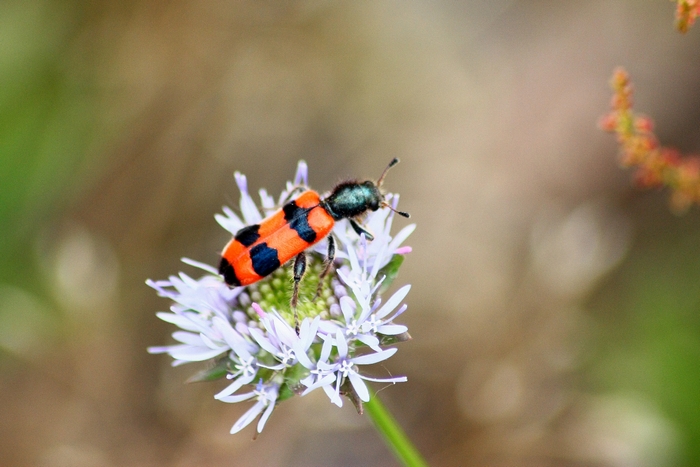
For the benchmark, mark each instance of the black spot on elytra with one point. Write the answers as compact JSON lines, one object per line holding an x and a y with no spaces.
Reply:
{"x":264,"y":258}
{"x":226,"y":270}
{"x":248,"y":235}
{"x":298,"y":219}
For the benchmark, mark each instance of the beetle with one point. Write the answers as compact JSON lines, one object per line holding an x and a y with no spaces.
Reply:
{"x":257,"y":250}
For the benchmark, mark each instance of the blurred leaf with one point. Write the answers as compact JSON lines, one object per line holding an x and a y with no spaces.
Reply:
{"x":391,"y":271}
{"x":46,"y":120}
{"x":389,"y":340}
{"x":649,"y":319}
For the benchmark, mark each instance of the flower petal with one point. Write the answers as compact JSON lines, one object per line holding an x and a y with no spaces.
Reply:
{"x":400,"y":237}
{"x":178,"y":320}
{"x":341,"y":343}
{"x":235,"y":386}
{"x":233,"y":338}
{"x":393,"y":302}
{"x":393,"y":380}
{"x":199,"y":265}
{"x":266,"y":201}
{"x":238,"y":398}
{"x":347,"y":306}
{"x":359,"y":386}
{"x":229,"y":221}
{"x":247,"y":417}
{"x":263,"y":341}
{"x":327,"y":380}
{"x":265,"y":416}
{"x":196,"y":354}
{"x":302,"y":174}
{"x":370,"y":341}
{"x":333,"y":396}
{"x":188,"y":338}
{"x":250,"y":212}
{"x":373,"y":357}
{"x":392,"y":329}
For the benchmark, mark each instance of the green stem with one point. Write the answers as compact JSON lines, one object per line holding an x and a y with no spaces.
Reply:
{"x":393,"y":435}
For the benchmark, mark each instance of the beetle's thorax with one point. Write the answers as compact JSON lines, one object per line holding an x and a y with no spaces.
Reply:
{"x":351,"y":199}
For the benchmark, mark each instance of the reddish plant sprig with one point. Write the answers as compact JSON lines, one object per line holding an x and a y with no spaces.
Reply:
{"x":656,"y":166}
{"x":687,"y":12}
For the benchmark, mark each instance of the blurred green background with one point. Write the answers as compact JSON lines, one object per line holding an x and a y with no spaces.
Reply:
{"x":555,"y":310}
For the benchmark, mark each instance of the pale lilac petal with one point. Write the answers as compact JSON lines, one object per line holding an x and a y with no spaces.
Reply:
{"x":187,"y":338}
{"x":394,"y":380}
{"x":342,"y":344}
{"x":250,"y":212}
{"x":333,"y":395}
{"x":230,"y":220}
{"x":247,"y":417}
{"x":265,"y":416}
{"x":392,"y":329}
{"x":326,"y":380}
{"x":400,"y":237}
{"x":347,"y":280}
{"x":359,"y":386}
{"x":234,"y":386}
{"x":400,"y":311}
{"x":393,"y":301}
{"x":238,"y":398}
{"x":309,"y":328}
{"x":211,"y":344}
{"x":370,"y":341}
{"x":158,"y":285}
{"x":378,"y":262}
{"x":160,"y":349}
{"x":177,"y":320}
{"x":374,"y":357}
{"x":328,"y":327}
{"x":325,"y":366}
{"x":236,"y":341}
{"x":302,"y":174}
{"x":196,"y":354}
{"x":326,"y":350}
{"x":303,"y":358}
{"x":282,"y":330}
{"x":263,"y":341}
{"x":347,"y":306}
{"x":199,"y":265}
{"x":301,"y":345}
{"x":266,"y":201}
{"x":277,"y":367}
{"x":354,"y":262}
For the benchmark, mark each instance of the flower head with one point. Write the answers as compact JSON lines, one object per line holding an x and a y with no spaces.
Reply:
{"x":247,"y":333}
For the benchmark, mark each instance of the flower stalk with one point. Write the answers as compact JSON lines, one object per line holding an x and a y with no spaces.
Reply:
{"x":393,"y":434}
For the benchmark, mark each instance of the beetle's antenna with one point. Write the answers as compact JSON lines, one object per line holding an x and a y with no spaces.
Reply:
{"x":393,"y":162}
{"x":400,"y":213}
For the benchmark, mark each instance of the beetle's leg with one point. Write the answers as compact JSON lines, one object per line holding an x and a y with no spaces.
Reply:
{"x":299,"y":269}
{"x":328,"y":265}
{"x":360,"y":229}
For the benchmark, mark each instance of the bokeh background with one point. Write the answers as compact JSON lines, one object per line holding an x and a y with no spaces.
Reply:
{"x":555,"y":310}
